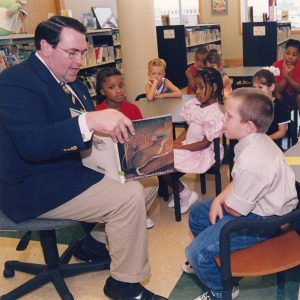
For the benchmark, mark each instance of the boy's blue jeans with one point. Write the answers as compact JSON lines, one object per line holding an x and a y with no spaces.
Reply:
{"x":201,"y":252}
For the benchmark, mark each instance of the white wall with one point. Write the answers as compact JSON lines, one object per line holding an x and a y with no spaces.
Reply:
{"x":232,"y":45}
{"x":138,"y":40}
{"x":79,"y":6}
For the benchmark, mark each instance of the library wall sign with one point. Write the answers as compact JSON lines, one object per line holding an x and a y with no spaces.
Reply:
{"x":259,"y":30}
{"x":169,"y":34}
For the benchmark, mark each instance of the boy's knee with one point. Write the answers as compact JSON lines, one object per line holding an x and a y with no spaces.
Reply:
{"x":198,"y":210}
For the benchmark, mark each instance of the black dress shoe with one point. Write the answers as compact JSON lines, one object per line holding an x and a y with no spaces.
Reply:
{"x":90,"y":250}
{"x":119,"y":290}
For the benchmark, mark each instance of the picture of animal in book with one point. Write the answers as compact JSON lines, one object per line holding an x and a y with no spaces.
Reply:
{"x":150,"y":151}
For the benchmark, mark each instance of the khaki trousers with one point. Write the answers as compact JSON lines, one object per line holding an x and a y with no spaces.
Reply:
{"x":121,"y":207}
{"x":150,"y":185}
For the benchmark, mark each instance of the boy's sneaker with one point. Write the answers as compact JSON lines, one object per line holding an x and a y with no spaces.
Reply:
{"x":187,"y":268}
{"x":149,"y":223}
{"x":206,"y":296}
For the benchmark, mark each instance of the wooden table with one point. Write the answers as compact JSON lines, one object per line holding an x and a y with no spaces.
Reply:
{"x":163,"y":106}
{"x":241,"y":74}
{"x":294,"y":151}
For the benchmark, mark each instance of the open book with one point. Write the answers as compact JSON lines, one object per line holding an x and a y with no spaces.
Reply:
{"x":148,"y":153}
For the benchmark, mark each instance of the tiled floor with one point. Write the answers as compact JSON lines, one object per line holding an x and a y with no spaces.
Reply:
{"x":167,"y":241}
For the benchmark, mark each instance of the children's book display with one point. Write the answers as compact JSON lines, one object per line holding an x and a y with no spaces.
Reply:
{"x":148,"y":153}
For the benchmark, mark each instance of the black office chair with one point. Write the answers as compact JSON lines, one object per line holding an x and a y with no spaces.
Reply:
{"x":140,"y":96}
{"x":291,"y":134}
{"x":274,"y":255}
{"x":55,"y":269}
{"x":215,"y":169}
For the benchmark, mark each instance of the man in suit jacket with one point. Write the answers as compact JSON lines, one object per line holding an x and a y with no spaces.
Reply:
{"x":41,"y":173}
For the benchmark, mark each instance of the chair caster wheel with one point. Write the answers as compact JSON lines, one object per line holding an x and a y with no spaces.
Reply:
{"x":8,"y":273}
{"x":67,"y":297}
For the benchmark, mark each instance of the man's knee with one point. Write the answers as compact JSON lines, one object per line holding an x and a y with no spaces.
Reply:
{"x":135,"y":194}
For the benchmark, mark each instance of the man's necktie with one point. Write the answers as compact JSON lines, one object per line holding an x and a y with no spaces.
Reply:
{"x":75,"y":100}
{"x":67,"y":91}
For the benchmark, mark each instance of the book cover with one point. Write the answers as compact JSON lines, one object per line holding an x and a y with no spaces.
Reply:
{"x":148,"y":153}
{"x":150,"y":150}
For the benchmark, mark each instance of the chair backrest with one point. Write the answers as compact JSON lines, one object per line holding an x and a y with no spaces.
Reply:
{"x":217,"y":152}
{"x":263,"y":256}
{"x":291,"y":134}
{"x":140,"y":96}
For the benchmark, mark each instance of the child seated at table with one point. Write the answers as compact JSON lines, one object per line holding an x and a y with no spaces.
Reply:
{"x":111,"y":88}
{"x":264,"y":80}
{"x":288,"y":79}
{"x":213,"y":59}
{"x":158,"y":86}
{"x":193,"y":149}
{"x":263,"y":186}
{"x":191,"y":71}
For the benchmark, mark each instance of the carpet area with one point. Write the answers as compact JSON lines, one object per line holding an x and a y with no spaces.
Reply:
{"x":188,"y":287}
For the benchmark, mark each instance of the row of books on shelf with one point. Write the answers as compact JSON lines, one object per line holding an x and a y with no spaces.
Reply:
{"x":118,"y":53}
{"x":119,"y":66}
{"x":98,"y":55}
{"x":191,"y":52}
{"x":12,"y":55}
{"x":194,"y":37}
{"x":90,"y":82}
{"x":90,"y":79}
{"x":283,"y":33}
{"x":116,"y":37}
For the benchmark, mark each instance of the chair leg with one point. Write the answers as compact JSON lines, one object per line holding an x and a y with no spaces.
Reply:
{"x":11,"y":266}
{"x":27,"y":287}
{"x":280,"y":279}
{"x":61,"y":286}
{"x":203,"y":183}
{"x":176,"y":197}
{"x":163,"y":189}
{"x":218,"y":183}
{"x":53,"y":271}
{"x":174,"y":131}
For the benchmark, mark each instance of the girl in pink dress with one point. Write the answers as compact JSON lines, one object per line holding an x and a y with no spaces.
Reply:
{"x":193,"y":149}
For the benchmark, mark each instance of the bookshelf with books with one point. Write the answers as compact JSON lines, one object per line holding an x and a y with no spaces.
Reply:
{"x":104,"y":48}
{"x":14,"y":49}
{"x":264,"y":42}
{"x":117,"y":49}
{"x":186,"y":40}
{"x":100,"y":53}
{"x":100,"y":49}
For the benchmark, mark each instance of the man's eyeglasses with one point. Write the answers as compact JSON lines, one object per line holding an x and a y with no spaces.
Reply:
{"x":73,"y":53}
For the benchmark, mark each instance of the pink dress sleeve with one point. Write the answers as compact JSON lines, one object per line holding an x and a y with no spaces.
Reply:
{"x":186,"y":110}
{"x":213,"y":127}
